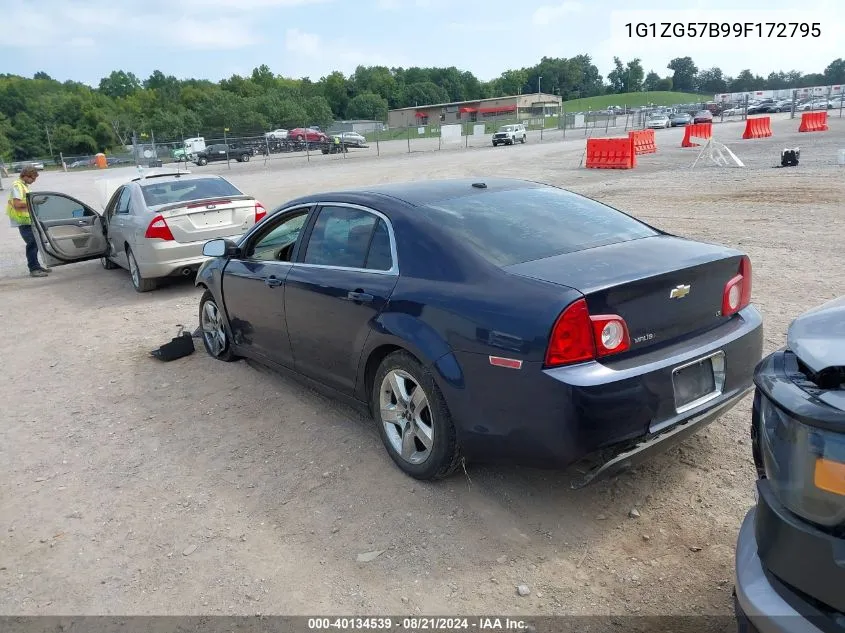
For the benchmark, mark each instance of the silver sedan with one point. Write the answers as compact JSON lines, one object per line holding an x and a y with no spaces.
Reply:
{"x":153,"y":225}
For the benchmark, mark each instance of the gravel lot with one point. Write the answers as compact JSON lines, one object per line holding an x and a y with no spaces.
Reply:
{"x":128,"y":486}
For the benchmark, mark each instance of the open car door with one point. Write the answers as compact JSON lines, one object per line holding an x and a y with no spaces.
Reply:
{"x":66,"y":229}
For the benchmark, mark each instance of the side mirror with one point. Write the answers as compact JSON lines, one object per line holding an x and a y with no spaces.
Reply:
{"x":219,"y":248}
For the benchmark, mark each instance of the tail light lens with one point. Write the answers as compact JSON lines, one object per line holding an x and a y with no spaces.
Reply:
{"x":737,"y":293}
{"x":158,"y":229}
{"x":260,"y":212}
{"x":577,"y":336}
{"x":611,"y":334}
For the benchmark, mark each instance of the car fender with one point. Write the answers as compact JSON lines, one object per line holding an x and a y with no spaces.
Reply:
{"x":418,"y":338}
{"x":210,"y":276}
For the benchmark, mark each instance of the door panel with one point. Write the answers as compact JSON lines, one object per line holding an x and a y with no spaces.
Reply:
{"x":117,"y":216}
{"x":254,"y":288}
{"x":344,"y":281}
{"x":254,"y":293}
{"x":328,"y":313}
{"x":66,"y":229}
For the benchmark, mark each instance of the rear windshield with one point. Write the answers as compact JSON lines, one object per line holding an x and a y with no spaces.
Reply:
{"x":187,"y":190}
{"x":512,"y":227}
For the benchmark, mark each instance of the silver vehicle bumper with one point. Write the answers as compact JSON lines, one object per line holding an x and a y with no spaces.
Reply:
{"x":757,"y":601}
{"x":161,"y":259}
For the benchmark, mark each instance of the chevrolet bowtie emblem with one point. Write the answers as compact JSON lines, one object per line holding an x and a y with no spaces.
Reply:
{"x":679,"y":292}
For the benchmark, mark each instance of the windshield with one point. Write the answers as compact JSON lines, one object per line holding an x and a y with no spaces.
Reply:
{"x":506,"y":128}
{"x":187,"y":190}
{"x":511,"y":227}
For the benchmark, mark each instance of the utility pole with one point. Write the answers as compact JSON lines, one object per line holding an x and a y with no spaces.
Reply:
{"x":49,"y":141}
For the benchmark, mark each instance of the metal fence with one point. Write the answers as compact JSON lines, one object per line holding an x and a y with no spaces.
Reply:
{"x":148,"y":150}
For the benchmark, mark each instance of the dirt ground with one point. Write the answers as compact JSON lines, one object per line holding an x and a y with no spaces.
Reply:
{"x":129,"y":486}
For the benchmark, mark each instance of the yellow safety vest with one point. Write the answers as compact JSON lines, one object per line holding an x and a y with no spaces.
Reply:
{"x":17,"y":216}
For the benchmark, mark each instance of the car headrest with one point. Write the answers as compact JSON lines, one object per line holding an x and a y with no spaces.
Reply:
{"x":359,"y":236}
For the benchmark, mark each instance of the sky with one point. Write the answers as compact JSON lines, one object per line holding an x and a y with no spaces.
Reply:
{"x":85,"y":40}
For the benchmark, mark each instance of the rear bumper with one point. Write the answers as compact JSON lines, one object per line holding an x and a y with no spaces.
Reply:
{"x":762,"y":603}
{"x":158,"y":258}
{"x":611,"y":414}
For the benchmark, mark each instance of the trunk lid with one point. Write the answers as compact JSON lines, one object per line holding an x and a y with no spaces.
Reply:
{"x":664,"y":287}
{"x":203,"y":220}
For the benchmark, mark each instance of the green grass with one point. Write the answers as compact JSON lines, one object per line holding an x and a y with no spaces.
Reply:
{"x":632,"y":100}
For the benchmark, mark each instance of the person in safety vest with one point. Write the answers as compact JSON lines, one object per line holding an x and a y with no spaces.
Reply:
{"x":18,"y":214}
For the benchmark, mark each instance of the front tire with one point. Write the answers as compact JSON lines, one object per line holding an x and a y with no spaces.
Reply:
{"x":108,"y":264}
{"x":214,"y":336}
{"x":202,"y":162}
{"x":413,"y":420}
{"x":140,"y":283}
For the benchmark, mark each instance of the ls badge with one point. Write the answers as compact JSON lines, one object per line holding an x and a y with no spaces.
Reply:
{"x":679,"y":292}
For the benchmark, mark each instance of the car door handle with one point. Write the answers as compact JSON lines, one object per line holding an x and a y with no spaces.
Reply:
{"x":273,"y":282}
{"x":359,"y":295}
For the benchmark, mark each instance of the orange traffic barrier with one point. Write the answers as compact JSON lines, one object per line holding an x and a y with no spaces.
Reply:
{"x":813,"y":122}
{"x":643,"y":141}
{"x":611,"y":153}
{"x":758,"y":127}
{"x":696,"y":130}
{"x":100,"y":161}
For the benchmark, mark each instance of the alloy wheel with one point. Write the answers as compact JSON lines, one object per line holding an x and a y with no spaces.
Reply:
{"x":213,"y":332}
{"x":406,"y":416}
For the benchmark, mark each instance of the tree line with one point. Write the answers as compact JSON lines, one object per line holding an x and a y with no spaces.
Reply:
{"x":42,"y":117}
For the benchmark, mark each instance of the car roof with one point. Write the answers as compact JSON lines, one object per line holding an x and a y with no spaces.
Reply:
{"x":419,"y":193}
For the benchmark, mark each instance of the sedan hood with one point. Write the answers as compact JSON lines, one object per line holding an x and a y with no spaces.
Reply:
{"x":817,"y":337}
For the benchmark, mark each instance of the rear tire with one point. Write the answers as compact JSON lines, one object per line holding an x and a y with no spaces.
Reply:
{"x":245,"y":158}
{"x":215,"y":338}
{"x":141,"y":284}
{"x":413,"y":420}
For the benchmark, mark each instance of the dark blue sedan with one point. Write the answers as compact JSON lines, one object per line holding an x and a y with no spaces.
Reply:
{"x":492,"y":320}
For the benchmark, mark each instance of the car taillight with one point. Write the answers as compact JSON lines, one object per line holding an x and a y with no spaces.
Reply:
{"x":578,"y":336}
{"x":737,"y":293}
{"x":158,"y":229}
{"x":260,"y":212}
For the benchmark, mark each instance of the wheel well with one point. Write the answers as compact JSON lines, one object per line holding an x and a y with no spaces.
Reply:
{"x":373,"y":362}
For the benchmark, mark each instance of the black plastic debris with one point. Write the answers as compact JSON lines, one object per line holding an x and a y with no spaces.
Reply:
{"x":789,"y":157}
{"x":181,"y":345}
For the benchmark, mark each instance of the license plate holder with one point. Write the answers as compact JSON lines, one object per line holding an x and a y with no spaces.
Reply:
{"x":698,"y":381}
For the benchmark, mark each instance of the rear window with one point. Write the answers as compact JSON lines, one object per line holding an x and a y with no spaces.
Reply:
{"x":187,"y":190}
{"x":512,"y":227}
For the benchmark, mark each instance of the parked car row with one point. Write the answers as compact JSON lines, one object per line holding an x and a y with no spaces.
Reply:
{"x":471,"y":320}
